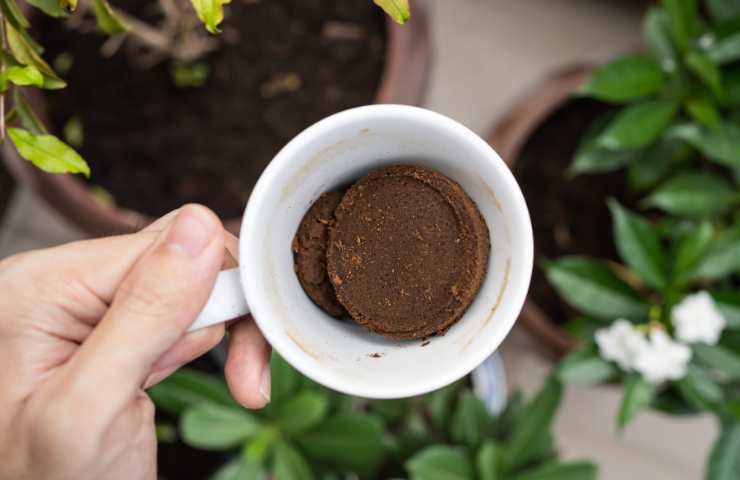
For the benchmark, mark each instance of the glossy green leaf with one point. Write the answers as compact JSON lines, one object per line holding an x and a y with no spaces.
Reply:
{"x":210,"y":12}
{"x":511,"y":415}
{"x":470,"y":421}
{"x":638,"y":244}
{"x":211,"y":426}
{"x":720,"y":144}
{"x":534,"y":424}
{"x":690,"y":250}
{"x":290,"y":464}
{"x":638,"y":394}
{"x":440,"y":404}
{"x":439,"y":463}
{"x":699,"y":389}
{"x":260,"y":446}
{"x":729,"y":304}
{"x":726,"y":50}
{"x":351,"y":441}
{"x":302,"y":412}
{"x":109,"y":20}
{"x":25,"y":53}
{"x":593,"y":288}
{"x":703,"y":110}
{"x":561,"y":471}
{"x":21,"y":75}
{"x":488,"y":461}
{"x":706,"y":70}
{"x":657,"y":34}
{"x":53,"y":8}
{"x":654,"y":163}
{"x":638,"y":125}
{"x":591,"y":158}
{"x":694,"y":195}
{"x":625,"y":79}
{"x":723,"y":257}
{"x":585,"y":367}
{"x":13,"y":14}
{"x":719,"y":359}
{"x":724,"y":461}
{"x":398,"y":10}
{"x":187,"y":388}
{"x":47,"y":152}
{"x":682,"y":20}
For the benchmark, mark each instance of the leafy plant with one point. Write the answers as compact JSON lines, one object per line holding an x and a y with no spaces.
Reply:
{"x":310,"y":432}
{"x":177,"y":37}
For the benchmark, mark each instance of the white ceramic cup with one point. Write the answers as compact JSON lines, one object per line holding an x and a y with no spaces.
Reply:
{"x":340,"y":354}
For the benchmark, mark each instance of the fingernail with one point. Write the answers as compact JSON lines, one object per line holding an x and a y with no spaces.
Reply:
{"x":191,"y":231}
{"x":266,"y":383}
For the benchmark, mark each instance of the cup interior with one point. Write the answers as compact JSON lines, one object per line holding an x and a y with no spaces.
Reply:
{"x":333,"y":153}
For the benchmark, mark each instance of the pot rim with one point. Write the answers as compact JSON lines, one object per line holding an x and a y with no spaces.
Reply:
{"x":403,"y":80}
{"x":509,"y":137}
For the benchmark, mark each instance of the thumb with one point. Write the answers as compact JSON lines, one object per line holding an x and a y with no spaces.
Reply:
{"x":154,"y":305}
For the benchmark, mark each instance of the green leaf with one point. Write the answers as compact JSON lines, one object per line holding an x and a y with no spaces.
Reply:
{"x":109,"y":21}
{"x":215,"y":427}
{"x":53,"y":8}
{"x":590,"y":158}
{"x":488,"y":461}
{"x":639,"y":245}
{"x":655,"y":162}
{"x":303,"y":411}
{"x":658,"y":37}
{"x":25,"y":53}
{"x":13,"y":14}
{"x":187,"y":388}
{"x":690,"y":250}
{"x":638,"y":394}
{"x":698,"y":388}
{"x":694,"y":195}
{"x":719,"y":359}
{"x":723,"y":9}
{"x":391,"y":410}
{"x":351,"y":441}
{"x":258,"y":448}
{"x":682,"y":21}
{"x":706,"y":70}
{"x":637,"y":125}
{"x":284,"y":380}
{"x":47,"y":152}
{"x":720,"y":143}
{"x":561,"y":471}
{"x":238,"y":469}
{"x":398,"y":10}
{"x":724,"y":461}
{"x":723,"y":257}
{"x":29,"y":120}
{"x":290,"y":464}
{"x":625,"y":79}
{"x":585,"y":367}
{"x":470,"y":421}
{"x":593,"y":288}
{"x":19,"y":75}
{"x":513,"y":411}
{"x":440,"y":403}
{"x":439,"y":463}
{"x":534,"y":423}
{"x":703,"y":111}
{"x":726,"y":50}
{"x":210,"y":12}
{"x":729,"y":304}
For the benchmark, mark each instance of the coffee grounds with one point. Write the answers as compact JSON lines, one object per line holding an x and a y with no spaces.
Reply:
{"x":309,"y":253}
{"x":407,"y":252}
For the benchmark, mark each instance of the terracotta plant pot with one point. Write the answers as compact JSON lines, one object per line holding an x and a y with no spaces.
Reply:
{"x":510,"y":137}
{"x":403,"y":80}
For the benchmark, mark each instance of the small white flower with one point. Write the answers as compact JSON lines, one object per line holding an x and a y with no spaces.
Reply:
{"x":664,"y":359}
{"x":621,"y":343}
{"x":697,"y":319}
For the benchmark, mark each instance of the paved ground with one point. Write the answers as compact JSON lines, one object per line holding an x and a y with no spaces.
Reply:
{"x":488,"y":53}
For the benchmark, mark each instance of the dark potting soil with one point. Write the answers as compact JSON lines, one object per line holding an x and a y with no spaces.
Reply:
{"x":284,"y":65}
{"x":6,"y":189}
{"x":569,"y":216}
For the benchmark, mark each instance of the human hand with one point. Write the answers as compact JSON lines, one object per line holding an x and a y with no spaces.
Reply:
{"x":86,"y":327}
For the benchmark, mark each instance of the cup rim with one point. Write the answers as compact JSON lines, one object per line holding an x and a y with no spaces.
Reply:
{"x":271,"y":177}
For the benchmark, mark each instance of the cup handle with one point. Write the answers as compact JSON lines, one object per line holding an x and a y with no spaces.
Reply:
{"x":225,"y":303}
